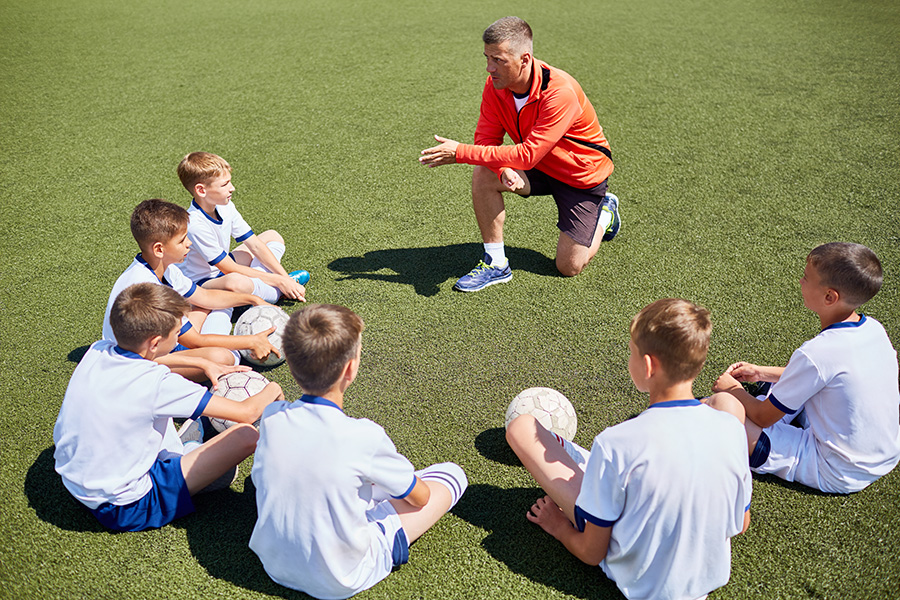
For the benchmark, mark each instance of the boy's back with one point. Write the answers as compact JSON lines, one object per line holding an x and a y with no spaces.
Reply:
{"x":116,"y":420}
{"x":675,"y":483}
{"x":313,"y":471}
{"x":845,"y":380}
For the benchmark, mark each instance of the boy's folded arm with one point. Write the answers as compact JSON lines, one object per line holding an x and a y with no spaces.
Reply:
{"x":420,"y":494}
{"x":247,"y":411}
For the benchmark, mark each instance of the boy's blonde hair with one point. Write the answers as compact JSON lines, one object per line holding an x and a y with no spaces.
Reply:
{"x":851,"y":269}
{"x":318,"y":342}
{"x":156,"y":220}
{"x":145,"y":310}
{"x":201,"y":167}
{"x":676,"y":332}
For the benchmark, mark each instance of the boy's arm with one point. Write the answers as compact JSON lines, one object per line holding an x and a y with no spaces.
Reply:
{"x":257,"y":343}
{"x":212,"y":370}
{"x":761,"y":412}
{"x":744,"y":371}
{"x":420,"y":494}
{"x":589,"y":546}
{"x":247,"y":411}
{"x":217,"y":299}
{"x":279,"y":278}
{"x":746,"y":521}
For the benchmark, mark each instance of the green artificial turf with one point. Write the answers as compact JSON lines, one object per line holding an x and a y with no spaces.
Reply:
{"x":744,"y":134}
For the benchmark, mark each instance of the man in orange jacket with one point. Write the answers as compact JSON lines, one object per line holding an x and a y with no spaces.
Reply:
{"x":559,"y":149}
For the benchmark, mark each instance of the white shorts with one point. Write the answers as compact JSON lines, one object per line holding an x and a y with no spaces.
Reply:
{"x":793,"y":455}
{"x":576,"y":452}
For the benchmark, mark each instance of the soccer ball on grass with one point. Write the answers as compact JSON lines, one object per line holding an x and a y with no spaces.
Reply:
{"x":238,"y":386}
{"x":260,"y":318}
{"x":549,"y":407}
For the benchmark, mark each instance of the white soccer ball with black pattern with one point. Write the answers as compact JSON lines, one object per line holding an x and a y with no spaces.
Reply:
{"x":260,"y":318}
{"x":549,"y":407}
{"x":237,"y":386}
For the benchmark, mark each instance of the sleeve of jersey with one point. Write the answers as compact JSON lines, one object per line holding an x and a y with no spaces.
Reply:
{"x":240,"y":229}
{"x":800,"y":381}
{"x":179,"y":282}
{"x":205,"y":242}
{"x":602,"y":496}
{"x":390,"y":470}
{"x":178,"y":397}
{"x":558,"y":110}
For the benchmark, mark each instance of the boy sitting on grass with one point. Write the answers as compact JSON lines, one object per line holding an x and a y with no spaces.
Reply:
{"x":839,"y":388}
{"x":254,"y":267}
{"x":160,"y":230}
{"x":658,"y":497}
{"x":116,"y":446}
{"x":338,"y":505}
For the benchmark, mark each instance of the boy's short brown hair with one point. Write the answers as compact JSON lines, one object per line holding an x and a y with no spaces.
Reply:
{"x":201,"y":167}
{"x":851,"y":269}
{"x":676,"y":332}
{"x":144,"y":310}
{"x":318,"y":342}
{"x":156,"y":220}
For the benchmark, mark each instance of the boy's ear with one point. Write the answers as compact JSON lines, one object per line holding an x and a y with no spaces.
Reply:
{"x":832,"y":296}
{"x":650,"y":364}
{"x":152,"y":344}
{"x":157,"y":249}
{"x":199,"y":189}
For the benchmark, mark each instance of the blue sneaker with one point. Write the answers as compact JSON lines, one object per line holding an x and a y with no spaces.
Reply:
{"x":483,"y":275}
{"x":610,"y":204}
{"x":301,"y":276}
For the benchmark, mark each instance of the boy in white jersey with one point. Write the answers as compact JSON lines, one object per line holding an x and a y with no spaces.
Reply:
{"x":839,"y":389}
{"x":657,"y":499}
{"x":116,"y":446}
{"x":160,"y":230}
{"x":254,"y":267}
{"x":338,"y":506}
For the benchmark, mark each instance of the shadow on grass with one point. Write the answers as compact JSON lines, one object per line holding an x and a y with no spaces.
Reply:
{"x":218,"y":534}
{"x":426,"y":268}
{"x":491,"y":444}
{"x":524,"y":547}
{"x":77,"y":354}
{"x":51,"y":501}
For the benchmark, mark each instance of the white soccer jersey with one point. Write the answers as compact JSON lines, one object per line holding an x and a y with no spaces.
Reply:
{"x":313,"y":470}
{"x":140,"y":272}
{"x":845,"y":379}
{"x":673,"y":483}
{"x":116,"y":420}
{"x":211,"y":239}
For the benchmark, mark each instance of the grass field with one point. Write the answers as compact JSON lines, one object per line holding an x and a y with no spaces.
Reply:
{"x":744,"y":133}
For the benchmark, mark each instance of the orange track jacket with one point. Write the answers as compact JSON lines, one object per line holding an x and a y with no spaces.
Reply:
{"x":556,"y":132}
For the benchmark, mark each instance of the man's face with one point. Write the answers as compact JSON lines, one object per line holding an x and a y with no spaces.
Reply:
{"x":507,"y":70}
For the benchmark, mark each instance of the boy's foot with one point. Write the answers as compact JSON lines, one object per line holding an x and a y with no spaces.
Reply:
{"x":191,"y":432}
{"x":610,"y":204}
{"x":301,"y":276}
{"x":483,"y":275}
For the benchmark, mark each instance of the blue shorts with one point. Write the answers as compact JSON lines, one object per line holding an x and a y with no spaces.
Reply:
{"x":166,"y":501}
{"x":179,"y":348}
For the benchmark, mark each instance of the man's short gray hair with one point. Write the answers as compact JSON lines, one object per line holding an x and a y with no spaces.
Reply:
{"x":510,"y":29}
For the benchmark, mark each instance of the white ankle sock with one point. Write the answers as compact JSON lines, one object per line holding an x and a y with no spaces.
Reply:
{"x":497,"y":252}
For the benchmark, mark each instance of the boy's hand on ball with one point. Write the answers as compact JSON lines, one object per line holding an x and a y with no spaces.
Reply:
{"x":261,"y":346}
{"x":215,"y":371}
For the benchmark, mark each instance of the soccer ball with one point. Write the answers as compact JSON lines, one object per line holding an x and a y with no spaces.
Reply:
{"x":238,"y":386}
{"x":261,"y":318}
{"x":549,"y":407}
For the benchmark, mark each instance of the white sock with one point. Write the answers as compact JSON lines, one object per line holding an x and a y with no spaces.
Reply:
{"x":217,"y":322}
{"x":605,"y":219}
{"x":191,"y":446}
{"x":265,"y":291}
{"x":497,"y":252}
{"x":448,"y":474}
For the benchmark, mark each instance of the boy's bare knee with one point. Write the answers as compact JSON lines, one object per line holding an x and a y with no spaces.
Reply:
{"x":270,"y":235}
{"x":726,"y":402}
{"x":519,"y":429}
{"x":569,"y":267}
{"x":245,"y":436}
{"x":222,"y":356}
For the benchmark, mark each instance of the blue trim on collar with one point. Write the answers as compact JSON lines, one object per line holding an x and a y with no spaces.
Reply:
{"x":140,"y":259}
{"x":310,"y":399}
{"x":846,"y":324}
{"x":203,"y":212}
{"x":126,"y":353}
{"x":672,"y":403}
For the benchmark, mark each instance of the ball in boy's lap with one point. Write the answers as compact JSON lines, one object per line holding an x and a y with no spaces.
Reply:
{"x":549,"y":407}
{"x":260,"y":318}
{"x":238,"y":387}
